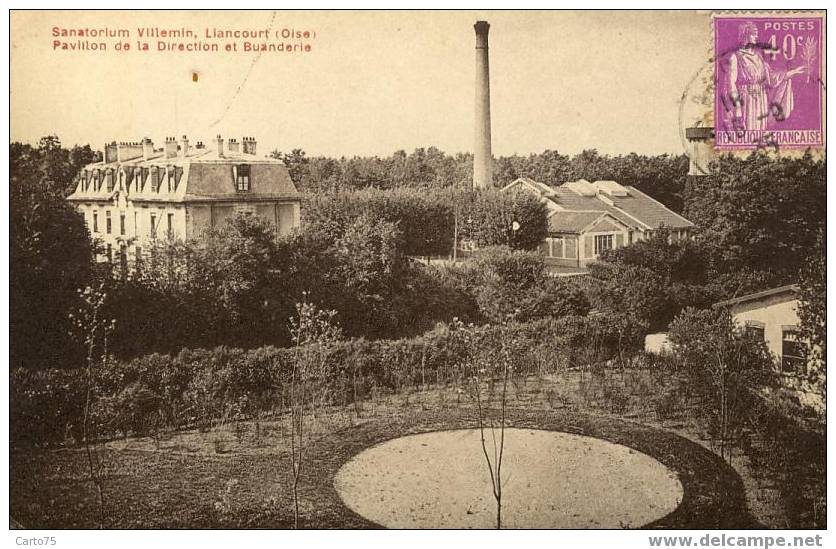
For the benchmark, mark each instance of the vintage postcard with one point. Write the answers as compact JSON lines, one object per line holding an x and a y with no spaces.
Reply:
{"x":471,"y":269}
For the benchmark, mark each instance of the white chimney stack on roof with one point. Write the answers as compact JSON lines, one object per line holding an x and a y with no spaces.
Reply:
{"x":249,"y":145}
{"x":170,"y":147}
{"x":147,"y":149}
{"x":184,"y":146}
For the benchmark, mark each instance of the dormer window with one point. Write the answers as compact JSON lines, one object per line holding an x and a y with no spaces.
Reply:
{"x":109,"y":178}
{"x":138,"y":180}
{"x":242,"y":177}
{"x":155,"y":180}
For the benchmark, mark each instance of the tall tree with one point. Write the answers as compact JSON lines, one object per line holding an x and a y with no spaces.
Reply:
{"x":51,"y":258}
{"x":812,"y":312}
{"x":759,"y":213}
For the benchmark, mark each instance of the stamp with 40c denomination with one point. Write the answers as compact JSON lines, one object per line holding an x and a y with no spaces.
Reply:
{"x":769,"y":81}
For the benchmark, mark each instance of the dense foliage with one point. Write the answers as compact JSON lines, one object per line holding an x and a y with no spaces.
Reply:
{"x":514,"y":285}
{"x":237,"y":286}
{"x":812,"y":313}
{"x":759,"y":214}
{"x":757,"y":223}
{"x":662,"y":177}
{"x":204,"y":387}
{"x":431,"y":220}
{"x":50,"y":252}
{"x":728,"y":365}
{"x":654,"y":279}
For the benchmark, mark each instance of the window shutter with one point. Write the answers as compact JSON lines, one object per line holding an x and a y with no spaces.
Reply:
{"x":178,"y":174}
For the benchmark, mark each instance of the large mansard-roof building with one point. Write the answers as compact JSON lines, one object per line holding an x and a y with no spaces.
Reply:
{"x":139,"y":193}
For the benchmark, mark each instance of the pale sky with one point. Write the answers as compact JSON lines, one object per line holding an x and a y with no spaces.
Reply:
{"x":374,"y":82}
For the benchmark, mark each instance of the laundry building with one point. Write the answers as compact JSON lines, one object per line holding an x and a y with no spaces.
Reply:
{"x":586,"y":219}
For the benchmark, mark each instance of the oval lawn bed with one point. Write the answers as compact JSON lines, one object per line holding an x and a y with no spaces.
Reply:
{"x":549,"y":480}
{"x":561,"y":470}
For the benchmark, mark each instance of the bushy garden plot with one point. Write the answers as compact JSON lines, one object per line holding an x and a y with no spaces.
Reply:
{"x":187,"y":479}
{"x":166,"y":489}
{"x":280,"y":404}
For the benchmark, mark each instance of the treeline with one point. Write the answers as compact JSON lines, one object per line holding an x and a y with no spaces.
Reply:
{"x":758,"y":221}
{"x":431,"y":220}
{"x":662,"y":177}
{"x":760,"y":214}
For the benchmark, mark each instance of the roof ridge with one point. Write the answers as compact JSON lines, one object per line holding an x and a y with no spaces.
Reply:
{"x":756,"y":295}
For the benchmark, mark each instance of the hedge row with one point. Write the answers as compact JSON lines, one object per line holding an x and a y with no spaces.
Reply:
{"x":202,"y":387}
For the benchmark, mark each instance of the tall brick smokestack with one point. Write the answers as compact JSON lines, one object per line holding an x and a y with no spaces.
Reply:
{"x":482,"y":159}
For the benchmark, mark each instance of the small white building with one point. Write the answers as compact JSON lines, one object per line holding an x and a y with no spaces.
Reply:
{"x":658,"y":344}
{"x":772,"y":315}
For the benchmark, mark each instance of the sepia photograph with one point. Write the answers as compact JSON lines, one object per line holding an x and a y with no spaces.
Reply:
{"x":419,"y":270}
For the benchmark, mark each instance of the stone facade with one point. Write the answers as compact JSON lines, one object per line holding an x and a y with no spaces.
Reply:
{"x":139,"y":193}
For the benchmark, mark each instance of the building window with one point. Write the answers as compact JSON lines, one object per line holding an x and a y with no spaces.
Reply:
{"x":138,"y":255}
{"x":122,"y":223}
{"x":155,"y":181}
{"x":95,"y":222}
{"x":170,"y":227}
{"x":557,"y":247}
{"x":242,"y":177}
{"x":109,"y":177}
{"x":153,"y":230}
{"x":792,"y":357}
{"x":603,"y":242}
{"x":755,"y":330}
{"x":108,"y":227}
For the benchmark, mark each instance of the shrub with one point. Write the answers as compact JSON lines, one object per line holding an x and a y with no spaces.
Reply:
{"x":726,"y":364}
{"x":204,"y":386}
{"x":46,"y":405}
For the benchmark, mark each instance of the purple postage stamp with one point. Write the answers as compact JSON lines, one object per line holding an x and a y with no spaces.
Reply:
{"x":768,"y":82}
